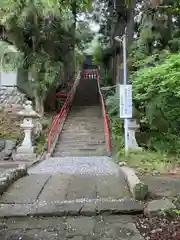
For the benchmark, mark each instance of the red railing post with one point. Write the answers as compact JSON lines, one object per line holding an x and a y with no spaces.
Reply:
{"x":105,"y":116}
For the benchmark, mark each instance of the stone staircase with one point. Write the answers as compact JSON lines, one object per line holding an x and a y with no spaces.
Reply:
{"x":83,"y":132}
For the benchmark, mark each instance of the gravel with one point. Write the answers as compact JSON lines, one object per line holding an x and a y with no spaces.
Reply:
{"x":159,"y":228}
{"x":77,"y":165}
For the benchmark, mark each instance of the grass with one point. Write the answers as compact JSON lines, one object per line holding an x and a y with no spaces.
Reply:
{"x":145,"y":162}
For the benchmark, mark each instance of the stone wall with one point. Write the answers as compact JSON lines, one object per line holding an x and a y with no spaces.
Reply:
{"x":11,"y":99}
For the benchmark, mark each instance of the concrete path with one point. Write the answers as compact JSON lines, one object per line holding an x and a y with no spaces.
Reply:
{"x":67,"y":179}
{"x":79,"y":228}
{"x":76,"y":196}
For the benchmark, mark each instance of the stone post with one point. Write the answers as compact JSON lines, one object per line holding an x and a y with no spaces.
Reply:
{"x":25,"y":152}
{"x":132,"y":128}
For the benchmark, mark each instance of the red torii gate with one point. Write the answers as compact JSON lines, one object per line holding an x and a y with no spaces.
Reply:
{"x":90,"y":74}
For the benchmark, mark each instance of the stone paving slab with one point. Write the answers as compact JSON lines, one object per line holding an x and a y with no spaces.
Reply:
{"x":63,"y":186}
{"x":84,"y":207}
{"x":75,"y":228}
{"x":112,"y":186}
{"x":82,"y":186}
{"x":26,"y":189}
{"x":56,"y":188}
{"x":77,"y":165}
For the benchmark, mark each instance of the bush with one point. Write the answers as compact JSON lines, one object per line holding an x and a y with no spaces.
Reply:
{"x":156,"y":93}
{"x":112,"y":104}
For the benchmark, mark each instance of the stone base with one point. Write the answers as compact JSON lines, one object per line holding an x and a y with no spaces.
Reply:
{"x":24,"y":157}
{"x":25,"y":150}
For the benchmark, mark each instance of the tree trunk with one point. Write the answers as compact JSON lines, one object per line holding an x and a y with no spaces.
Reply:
{"x":73,"y":30}
{"x":50,"y":101}
{"x":130,"y":28}
{"x":39,"y":104}
{"x":130,"y":24}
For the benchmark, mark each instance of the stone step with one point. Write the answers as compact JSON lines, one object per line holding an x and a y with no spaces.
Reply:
{"x":80,"y":143}
{"x":84,"y":121}
{"x":80,"y":148}
{"x":86,"y":115}
{"x":85,"y":135}
{"x":84,"y":131}
{"x":80,"y":137}
{"x":82,"y":125}
{"x":87,"y":110}
{"x":121,"y":226}
{"x":93,"y":117}
{"x":80,"y":154}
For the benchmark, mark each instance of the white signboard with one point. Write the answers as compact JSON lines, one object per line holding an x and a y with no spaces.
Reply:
{"x":125,"y":94}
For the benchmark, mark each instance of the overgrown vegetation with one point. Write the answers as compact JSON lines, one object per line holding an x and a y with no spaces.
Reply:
{"x":10,"y":127}
{"x":154,"y":70}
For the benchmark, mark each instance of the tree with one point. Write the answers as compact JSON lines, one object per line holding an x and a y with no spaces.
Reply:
{"x":114,"y":18}
{"x":153,"y":63}
{"x":45,"y":32}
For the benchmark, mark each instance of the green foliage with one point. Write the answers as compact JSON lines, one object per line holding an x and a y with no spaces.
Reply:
{"x":47,"y":38}
{"x":45,"y":71}
{"x":146,"y":161}
{"x":154,"y":70}
{"x":139,"y":56}
{"x":107,"y":79}
{"x":97,"y":54}
{"x":10,"y":57}
{"x":112,"y":104}
{"x":157,"y":97}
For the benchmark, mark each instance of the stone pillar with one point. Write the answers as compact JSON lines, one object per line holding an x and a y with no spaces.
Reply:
{"x":132,"y":128}
{"x":25,"y":152}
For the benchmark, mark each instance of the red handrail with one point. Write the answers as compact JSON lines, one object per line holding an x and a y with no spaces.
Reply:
{"x":59,"y":119}
{"x":106,"y":118}
{"x":62,"y":95}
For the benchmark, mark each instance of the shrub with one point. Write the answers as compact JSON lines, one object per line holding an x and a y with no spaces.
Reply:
{"x":112,"y":104}
{"x":156,"y":93}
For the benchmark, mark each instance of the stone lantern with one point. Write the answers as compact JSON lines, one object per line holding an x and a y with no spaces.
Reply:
{"x":132,"y":128}
{"x":25,"y":151}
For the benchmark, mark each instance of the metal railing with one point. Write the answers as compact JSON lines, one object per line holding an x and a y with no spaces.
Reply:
{"x":58,"y":122}
{"x":106,"y":119}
